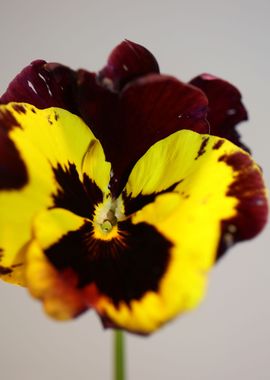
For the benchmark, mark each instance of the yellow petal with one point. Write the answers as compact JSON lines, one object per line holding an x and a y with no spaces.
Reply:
{"x":185,"y":183}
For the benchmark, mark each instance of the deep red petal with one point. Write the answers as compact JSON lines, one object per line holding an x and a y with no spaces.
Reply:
{"x":225,"y":107}
{"x":97,"y":106}
{"x":42,"y":85}
{"x":126,"y":62}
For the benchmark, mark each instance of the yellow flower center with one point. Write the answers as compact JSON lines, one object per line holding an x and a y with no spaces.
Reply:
{"x":106,"y":216}
{"x":106,"y":226}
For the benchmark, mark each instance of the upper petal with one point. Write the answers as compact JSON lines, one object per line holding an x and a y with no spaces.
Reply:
{"x":42,"y":85}
{"x":126,"y":62}
{"x":226,"y":109}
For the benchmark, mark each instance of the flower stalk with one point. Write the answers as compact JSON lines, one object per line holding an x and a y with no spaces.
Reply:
{"x":119,"y":355}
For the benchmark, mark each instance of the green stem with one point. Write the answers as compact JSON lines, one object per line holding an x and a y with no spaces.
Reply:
{"x":119,"y":355}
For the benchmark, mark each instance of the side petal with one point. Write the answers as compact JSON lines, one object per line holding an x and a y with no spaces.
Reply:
{"x":40,"y":147}
{"x":126,"y":62}
{"x":188,"y":163}
{"x":43,"y":85}
{"x":207,"y":195}
{"x":226,"y":109}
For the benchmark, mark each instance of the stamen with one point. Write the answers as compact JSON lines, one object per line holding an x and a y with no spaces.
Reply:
{"x":106,"y":226}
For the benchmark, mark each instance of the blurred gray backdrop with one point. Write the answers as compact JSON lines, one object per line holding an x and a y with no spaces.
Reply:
{"x":228,"y":337}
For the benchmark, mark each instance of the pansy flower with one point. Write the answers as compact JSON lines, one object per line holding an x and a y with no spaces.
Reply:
{"x":120,"y":189}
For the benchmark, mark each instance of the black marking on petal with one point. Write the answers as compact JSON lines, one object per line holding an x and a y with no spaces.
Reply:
{"x":184,"y":195}
{"x":49,"y":120}
{"x":123,"y":268}
{"x":56,"y":116}
{"x":137,"y":203}
{"x":13,"y":172}
{"x":223,"y":158}
{"x":75,"y":195}
{"x":218,"y":144}
{"x":5,"y":270}
{"x":33,"y":110}
{"x":8,"y":121}
{"x":19,"y":108}
{"x":202,"y":150}
{"x":16,"y":265}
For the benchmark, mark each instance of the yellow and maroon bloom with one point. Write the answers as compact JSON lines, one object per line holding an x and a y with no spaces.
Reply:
{"x":113,"y":194}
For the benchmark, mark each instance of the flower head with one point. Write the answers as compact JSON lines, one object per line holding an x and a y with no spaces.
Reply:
{"x":113,"y":194}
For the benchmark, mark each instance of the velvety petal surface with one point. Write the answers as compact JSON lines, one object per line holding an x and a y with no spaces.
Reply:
{"x":43,"y":85}
{"x":41,"y":164}
{"x":226,"y":109}
{"x":189,"y":189}
{"x":126,"y":62}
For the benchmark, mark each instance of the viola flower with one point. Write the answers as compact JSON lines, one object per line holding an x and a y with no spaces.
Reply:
{"x":114,"y":194}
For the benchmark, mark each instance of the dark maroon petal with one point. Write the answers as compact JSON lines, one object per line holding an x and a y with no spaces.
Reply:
{"x":225,"y":107}
{"x":152,"y":108}
{"x":97,"y":106}
{"x":252,"y":208}
{"x":42,"y":85}
{"x":126,"y":62}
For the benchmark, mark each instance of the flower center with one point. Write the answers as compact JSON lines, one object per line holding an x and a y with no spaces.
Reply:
{"x":106,"y":217}
{"x":111,"y":221}
{"x":106,"y":226}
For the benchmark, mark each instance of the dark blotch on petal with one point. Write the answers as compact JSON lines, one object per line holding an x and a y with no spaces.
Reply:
{"x":127,"y":62}
{"x":203,"y":146}
{"x":5,"y":270}
{"x":123,"y":268}
{"x":13,"y":172}
{"x":252,"y":207}
{"x":218,"y":144}
{"x":7,"y":120}
{"x":225,"y":107}
{"x":74,"y":195}
{"x":137,"y":203}
{"x":19,"y":108}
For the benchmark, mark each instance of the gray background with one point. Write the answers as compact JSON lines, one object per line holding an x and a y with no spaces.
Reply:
{"x":228,"y":336}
